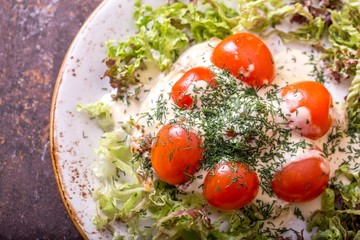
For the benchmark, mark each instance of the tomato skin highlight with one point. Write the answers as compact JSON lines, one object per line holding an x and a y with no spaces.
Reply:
{"x":178,"y":91}
{"x":302,"y":180}
{"x":176,"y":153}
{"x":246,"y":57}
{"x":316,"y":99}
{"x":230,"y":186}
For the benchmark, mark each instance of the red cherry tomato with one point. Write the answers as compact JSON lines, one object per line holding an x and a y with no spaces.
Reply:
{"x":176,"y":153}
{"x":246,"y":57}
{"x":230,"y":186}
{"x":302,"y":180}
{"x":313,"y":97}
{"x":178,"y":91}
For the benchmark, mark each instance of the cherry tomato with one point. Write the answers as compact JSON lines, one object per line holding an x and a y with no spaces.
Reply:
{"x":302,"y":180}
{"x":230,"y":186}
{"x":178,"y":91}
{"x":313,"y":97}
{"x":246,"y":57}
{"x":176,"y":153}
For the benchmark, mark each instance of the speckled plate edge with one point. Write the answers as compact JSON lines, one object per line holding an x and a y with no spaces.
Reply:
{"x":74,"y":200}
{"x":53,"y":142}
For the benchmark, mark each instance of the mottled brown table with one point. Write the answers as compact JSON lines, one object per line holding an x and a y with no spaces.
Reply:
{"x":34,"y":37}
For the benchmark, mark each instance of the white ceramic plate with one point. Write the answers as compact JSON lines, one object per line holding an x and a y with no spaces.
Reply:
{"x":73,"y":135}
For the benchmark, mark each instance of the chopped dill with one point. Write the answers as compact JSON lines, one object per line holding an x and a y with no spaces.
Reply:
{"x":316,"y":72}
{"x":237,"y":124}
{"x":298,"y":214}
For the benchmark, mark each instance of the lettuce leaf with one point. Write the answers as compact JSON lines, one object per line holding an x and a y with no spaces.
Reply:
{"x":114,"y":147}
{"x":101,"y":111}
{"x":261,"y":15}
{"x":344,"y":55}
{"x":119,"y":190}
{"x":339,"y":217}
{"x":353,"y":102}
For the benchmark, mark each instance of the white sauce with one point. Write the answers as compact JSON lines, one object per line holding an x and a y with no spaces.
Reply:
{"x":292,"y":63}
{"x":195,"y":90}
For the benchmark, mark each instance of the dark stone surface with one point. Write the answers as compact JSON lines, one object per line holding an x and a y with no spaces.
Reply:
{"x":34,"y":37}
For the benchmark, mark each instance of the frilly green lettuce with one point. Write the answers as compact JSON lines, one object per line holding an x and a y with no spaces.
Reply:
{"x":260,"y":15}
{"x":119,"y":187}
{"x":101,"y":111}
{"x":114,"y":146}
{"x":164,"y":33}
{"x":353,"y":102}
{"x":340,"y":215}
{"x":344,"y":55}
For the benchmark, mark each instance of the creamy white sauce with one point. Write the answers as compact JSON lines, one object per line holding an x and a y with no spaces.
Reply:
{"x":196,"y":90}
{"x":292,"y":62}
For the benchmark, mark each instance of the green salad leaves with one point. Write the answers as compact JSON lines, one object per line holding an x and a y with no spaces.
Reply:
{"x":164,"y":33}
{"x":339,"y":217}
{"x":344,"y":56}
{"x":100,"y":111}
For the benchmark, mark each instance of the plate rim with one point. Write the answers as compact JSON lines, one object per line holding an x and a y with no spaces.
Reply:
{"x":71,"y":212}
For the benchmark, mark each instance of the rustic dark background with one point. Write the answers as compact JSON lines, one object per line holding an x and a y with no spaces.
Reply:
{"x":34,"y":37}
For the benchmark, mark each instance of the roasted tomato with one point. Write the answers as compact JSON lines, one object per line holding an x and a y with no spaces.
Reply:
{"x":230,"y":186}
{"x":301,"y":180}
{"x":176,"y":153}
{"x":179,"y":91}
{"x":246,"y":57}
{"x":307,"y":106}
